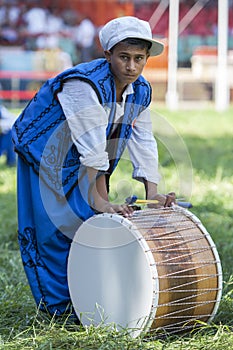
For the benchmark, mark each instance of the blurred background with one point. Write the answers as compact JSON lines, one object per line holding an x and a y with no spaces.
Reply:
{"x":38,"y":39}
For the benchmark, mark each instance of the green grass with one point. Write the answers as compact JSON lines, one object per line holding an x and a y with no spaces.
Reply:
{"x":196,"y":161}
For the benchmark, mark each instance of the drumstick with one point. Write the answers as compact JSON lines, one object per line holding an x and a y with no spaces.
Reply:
{"x":146,"y":201}
{"x":154,"y":201}
{"x":134,"y":200}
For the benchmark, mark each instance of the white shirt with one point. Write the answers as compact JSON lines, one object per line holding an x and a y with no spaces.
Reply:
{"x":36,"y":19}
{"x":85,"y":33}
{"x":88,"y":121}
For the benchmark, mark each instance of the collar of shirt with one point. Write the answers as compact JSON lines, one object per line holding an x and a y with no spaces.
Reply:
{"x":121,"y":105}
{"x":129,"y":90}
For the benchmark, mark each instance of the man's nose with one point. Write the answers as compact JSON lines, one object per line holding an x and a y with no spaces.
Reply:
{"x":131,"y":65}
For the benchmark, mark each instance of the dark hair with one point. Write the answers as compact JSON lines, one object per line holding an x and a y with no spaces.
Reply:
{"x":141,"y":43}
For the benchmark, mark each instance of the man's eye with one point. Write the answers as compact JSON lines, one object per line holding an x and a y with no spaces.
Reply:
{"x":124,"y":58}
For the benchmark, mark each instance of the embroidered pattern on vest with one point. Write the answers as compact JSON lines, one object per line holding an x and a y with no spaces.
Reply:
{"x":59,"y":164}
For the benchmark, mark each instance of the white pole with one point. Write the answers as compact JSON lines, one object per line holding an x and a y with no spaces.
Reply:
{"x":221,"y":86}
{"x":172,"y":94}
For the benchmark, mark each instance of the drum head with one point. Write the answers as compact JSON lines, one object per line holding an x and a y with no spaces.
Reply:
{"x":112,"y":275}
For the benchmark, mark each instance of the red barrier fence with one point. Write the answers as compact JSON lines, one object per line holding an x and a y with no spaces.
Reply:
{"x":15,"y":94}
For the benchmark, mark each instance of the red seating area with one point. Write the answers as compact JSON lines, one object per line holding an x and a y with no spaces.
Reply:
{"x":17,"y":94}
{"x":204,"y":24}
{"x":199,"y":30}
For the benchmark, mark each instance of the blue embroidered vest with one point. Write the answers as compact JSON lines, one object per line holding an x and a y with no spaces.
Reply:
{"x":41,"y":134}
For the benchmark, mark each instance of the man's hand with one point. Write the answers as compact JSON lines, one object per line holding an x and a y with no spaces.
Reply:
{"x":109,"y":207}
{"x":163,"y":200}
{"x":100,"y":196}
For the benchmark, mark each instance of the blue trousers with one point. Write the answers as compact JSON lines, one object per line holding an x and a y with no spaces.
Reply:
{"x":46,"y":226}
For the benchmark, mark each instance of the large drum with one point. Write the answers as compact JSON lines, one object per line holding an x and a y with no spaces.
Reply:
{"x":157,"y":270}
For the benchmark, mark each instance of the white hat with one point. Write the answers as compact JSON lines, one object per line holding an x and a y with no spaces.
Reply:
{"x":128,"y":27}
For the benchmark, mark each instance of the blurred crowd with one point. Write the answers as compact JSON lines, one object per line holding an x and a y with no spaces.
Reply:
{"x":33,"y":26}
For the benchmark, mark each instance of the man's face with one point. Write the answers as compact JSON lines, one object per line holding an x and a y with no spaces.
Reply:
{"x":127,"y":62}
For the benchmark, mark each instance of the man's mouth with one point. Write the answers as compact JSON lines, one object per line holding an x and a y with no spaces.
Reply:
{"x":130,"y":75}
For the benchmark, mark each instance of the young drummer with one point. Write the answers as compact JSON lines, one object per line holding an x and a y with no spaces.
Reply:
{"x":69,"y":140}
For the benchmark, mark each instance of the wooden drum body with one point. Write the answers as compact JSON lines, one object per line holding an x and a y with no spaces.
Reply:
{"x":157,"y":270}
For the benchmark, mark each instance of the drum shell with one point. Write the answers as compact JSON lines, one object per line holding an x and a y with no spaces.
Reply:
{"x":188,"y":267}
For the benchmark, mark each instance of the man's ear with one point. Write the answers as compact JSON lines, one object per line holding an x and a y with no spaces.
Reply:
{"x":107,"y":55}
